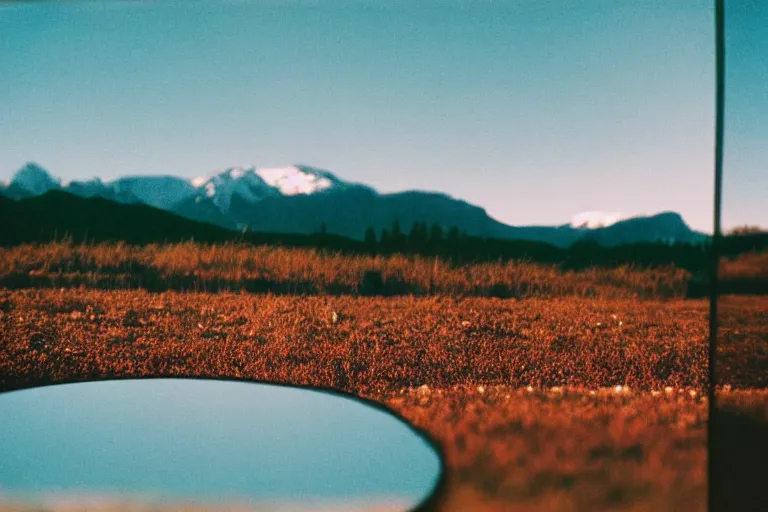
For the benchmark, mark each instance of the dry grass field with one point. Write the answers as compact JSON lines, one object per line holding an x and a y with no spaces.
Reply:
{"x":558,"y":402}
{"x":234,"y":267}
{"x":745,"y":273}
{"x":752,"y":265}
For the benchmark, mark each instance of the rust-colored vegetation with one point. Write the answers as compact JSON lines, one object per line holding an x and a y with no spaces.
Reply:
{"x":566,"y":400}
{"x":375,"y":345}
{"x":744,"y":267}
{"x":751,"y":265}
{"x":742,"y":352}
{"x":446,"y":364}
{"x":233,"y":267}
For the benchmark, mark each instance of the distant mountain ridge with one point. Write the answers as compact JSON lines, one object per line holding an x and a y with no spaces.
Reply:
{"x":300,"y":199}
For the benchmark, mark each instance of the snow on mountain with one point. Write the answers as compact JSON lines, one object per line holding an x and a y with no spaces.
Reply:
{"x":167,"y":192}
{"x":298,"y":198}
{"x":34,"y":179}
{"x":235,"y":181}
{"x":664,"y":227}
{"x":253,"y":184}
{"x":596,"y":219}
{"x":293,"y":180}
{"x":199,"y":181}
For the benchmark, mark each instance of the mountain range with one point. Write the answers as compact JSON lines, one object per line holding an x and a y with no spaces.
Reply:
{"x":301,"y":199}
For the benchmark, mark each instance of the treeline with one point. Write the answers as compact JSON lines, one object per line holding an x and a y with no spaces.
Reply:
{"x":458,"y":247}
{"x":63,"y":216}
{"x":741,"y":242}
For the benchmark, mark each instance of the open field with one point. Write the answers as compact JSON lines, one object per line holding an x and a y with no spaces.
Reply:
{"x":749,"y":265}
{"x":459,"y":368}
{"x":745,"y":273}
{"x":377,"y":345}
{"x":234,"y":267}
{"x":743,"y":341}
{"x":240,"y":267}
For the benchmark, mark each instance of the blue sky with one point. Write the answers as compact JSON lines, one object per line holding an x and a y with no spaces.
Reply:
{"x":535,"y":110}
{"x":745,"y":158}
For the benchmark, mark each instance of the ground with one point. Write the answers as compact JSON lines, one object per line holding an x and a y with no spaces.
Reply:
{"x":537,"y":404}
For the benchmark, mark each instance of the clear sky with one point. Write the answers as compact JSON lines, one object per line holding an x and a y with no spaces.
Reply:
{"x":745,"y":159}
{"x":535,"y":110}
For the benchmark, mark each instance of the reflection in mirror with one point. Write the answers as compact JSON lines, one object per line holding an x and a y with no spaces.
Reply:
{"x":205,"y":443}
{"x":740,"y":422}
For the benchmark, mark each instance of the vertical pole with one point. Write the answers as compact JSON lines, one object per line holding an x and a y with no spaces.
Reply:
{"x":716,"y":241}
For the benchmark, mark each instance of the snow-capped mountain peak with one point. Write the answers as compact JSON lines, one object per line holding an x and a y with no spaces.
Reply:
{"x":292,"y":180}
{"x":233,"y":181}
{"x":596,"y":219}
{"x":253,"y":184}
{"x":275,"y":199}
{"x":198,"y":181}
{"x":236,"y":173}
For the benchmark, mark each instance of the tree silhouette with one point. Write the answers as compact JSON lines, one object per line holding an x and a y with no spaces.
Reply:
{"x":436,"y":233}
{"x":398,"y":239}
{"x":417,"y":238}
{"x":453,"y":235}
{"x":435,"y":240}
{"x":396,"y":232}
{"x":370,"y":240}
{"x":386,"y":242}
{"x":746,"y":230}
